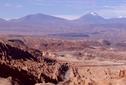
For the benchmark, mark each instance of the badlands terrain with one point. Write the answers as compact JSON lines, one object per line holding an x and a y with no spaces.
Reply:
{"x":35,"y":60}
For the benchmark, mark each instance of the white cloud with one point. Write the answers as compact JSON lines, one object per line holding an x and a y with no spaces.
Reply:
{"x":113,"y":11}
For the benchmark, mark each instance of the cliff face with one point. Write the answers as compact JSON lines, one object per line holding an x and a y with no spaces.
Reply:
{"x":29,"y":69}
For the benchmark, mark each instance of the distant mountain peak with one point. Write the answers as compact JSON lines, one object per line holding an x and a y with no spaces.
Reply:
{"x":93,"y":13}
{"x":91,"y":16}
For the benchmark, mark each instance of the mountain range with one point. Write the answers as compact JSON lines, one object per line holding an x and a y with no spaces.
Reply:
{"x":90,"y":23}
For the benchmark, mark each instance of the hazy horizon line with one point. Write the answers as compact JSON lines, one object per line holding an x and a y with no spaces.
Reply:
{"x":67,"y":17}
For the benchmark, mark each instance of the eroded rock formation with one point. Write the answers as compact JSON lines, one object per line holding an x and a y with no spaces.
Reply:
{"x":24,"y":66}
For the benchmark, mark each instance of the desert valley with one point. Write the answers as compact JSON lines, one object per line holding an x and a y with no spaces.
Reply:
{"x":38,"y":60}
{"x":63,"y":42}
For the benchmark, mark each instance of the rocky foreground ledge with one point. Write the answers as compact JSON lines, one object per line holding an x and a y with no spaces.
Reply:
{"x":28,"y":66}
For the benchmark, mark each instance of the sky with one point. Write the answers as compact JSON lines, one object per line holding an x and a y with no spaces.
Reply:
{"x":69,"y":9}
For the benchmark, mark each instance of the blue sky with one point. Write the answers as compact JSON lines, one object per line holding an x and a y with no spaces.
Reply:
{"x":69,"y":9}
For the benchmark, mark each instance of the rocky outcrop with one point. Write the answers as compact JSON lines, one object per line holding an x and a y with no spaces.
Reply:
{"x":29,"y":67}
{"x":9,"y":52}
{"x":20,"y":76}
